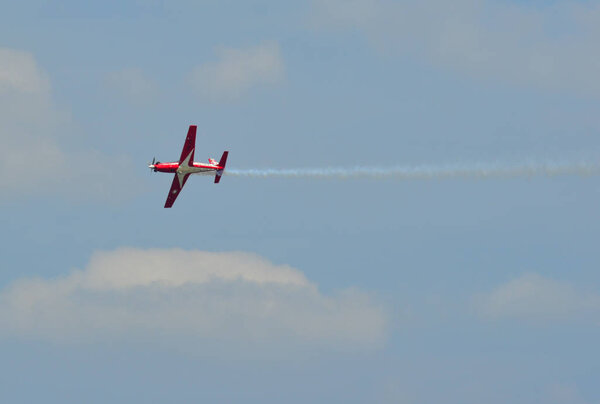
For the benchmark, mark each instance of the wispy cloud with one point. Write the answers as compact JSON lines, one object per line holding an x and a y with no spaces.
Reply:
{"x":35,"y":157}
{"x":237,"y":71}
{"x":174,"y":295}
{"x":29,"y":122}
{"x":563,"y":393}
{"x":550,"y":46}
{"x":536,"y":298}
{"x":133,"y":85}
{"x":19,"y":72}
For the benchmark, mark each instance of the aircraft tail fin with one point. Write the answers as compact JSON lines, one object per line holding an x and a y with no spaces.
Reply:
{"x":222,"y":163}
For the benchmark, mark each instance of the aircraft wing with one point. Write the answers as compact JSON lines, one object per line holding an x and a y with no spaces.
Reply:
{"x":176,"y":187}
{"x":187,"y":153}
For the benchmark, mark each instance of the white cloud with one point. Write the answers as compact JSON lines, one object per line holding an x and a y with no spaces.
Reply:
{"x":33,"y":133}
{"x":237,"y":71}
{"x":133,"y":85}
{"x":551,"y":46}
{"x":534,"y":297}
{"x":174,"y":295}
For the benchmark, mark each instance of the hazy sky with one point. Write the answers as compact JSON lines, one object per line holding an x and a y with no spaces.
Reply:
{"x":386,"y":290}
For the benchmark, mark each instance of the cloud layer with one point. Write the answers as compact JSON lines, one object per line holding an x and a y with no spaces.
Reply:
{"x":237,"y":71}
{"x":550,"y":46}
{"x":533,"y":297}
{"x":174,"y":295}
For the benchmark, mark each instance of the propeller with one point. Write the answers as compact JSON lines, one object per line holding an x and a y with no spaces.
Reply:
{"x":151,"y":165}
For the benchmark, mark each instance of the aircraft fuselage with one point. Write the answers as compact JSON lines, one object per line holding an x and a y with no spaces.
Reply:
{"x":196,"y":168}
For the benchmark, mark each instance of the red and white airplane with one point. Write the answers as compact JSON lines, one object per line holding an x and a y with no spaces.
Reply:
{"x":186,"y":166}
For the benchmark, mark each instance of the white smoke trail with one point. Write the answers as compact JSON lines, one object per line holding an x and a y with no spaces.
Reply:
{"x":428,"y":171}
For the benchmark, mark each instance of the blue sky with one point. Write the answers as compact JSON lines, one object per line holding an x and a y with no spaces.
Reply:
{"x":459,"y":290}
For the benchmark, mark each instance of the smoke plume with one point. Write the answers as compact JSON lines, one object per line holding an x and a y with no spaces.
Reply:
{"x":419,"y":172}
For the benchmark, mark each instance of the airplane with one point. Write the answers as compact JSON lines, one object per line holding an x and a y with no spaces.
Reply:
{"x":187,"y":166}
